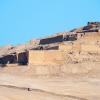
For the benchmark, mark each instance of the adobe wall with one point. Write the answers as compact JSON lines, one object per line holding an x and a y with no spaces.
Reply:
{"x":79,"y":48}
{"x":65,"y":47}
{"x":90,"y":48}
{"x":45,"y":57}
{"x":22,"y":58}
{"x":52,"y":40}
{"x":70,"y":47}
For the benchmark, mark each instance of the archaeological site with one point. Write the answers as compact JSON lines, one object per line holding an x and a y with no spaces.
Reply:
{"x":65,"y":66}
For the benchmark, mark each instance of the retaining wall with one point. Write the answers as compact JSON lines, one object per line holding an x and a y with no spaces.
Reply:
{"x":46,"y":57}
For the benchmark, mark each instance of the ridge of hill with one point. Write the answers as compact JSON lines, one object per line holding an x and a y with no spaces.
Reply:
{"x":35,"y":43}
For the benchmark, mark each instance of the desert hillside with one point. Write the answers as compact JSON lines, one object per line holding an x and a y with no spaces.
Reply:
{"x":64,"y":66}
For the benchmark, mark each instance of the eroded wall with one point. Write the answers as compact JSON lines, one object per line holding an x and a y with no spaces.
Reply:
{"x":77,"y":47}
{"x":52,"y":57}
{"x":22,"y":58}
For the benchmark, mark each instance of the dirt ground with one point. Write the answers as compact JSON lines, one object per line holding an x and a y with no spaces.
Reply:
{"x":16,"y":83}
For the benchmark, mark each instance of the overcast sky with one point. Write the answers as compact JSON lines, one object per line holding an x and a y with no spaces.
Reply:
{"x":22,"y":20}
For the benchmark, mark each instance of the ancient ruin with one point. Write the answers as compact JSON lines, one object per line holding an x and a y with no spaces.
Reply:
{"x":64,"y":41}
{"x":63,"y":66}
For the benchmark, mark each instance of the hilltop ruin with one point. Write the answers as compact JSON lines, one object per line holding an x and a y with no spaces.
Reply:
{"x":66,"y":42}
